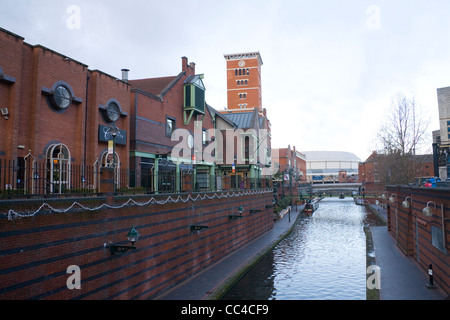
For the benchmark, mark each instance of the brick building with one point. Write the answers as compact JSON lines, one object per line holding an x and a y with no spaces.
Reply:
{"x":292,"y":169}
{"x":244,"y":108}
{"x":57,"y":118}
{"x":161,"y":106}
{"x":441,"y":138}
{"x":370,"y":171}
{"x":244,"y":81}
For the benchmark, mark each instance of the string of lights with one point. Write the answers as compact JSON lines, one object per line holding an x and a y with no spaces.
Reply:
{"x":130,"y":202}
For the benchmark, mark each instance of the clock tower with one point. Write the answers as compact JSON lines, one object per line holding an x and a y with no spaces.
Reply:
{"x":244,"y":81}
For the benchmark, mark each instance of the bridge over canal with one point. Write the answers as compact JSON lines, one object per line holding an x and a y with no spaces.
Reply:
{"x":335,"y":189}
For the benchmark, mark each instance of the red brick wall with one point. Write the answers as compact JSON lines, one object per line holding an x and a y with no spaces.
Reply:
{"x":36,"y":251}
{"x":412,"y":230}
{"x":33,"y":123}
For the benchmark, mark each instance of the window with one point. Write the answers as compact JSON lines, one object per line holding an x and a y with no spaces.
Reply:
{"x":62,"y":98}
{"x":170,"y":126}
{"x":113,"y":112}
{"x":437,"y":239}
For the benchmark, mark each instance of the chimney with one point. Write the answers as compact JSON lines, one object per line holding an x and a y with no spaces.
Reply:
{"x":184,"y":63}
{"x":189,"y":68}
{"x":125,"y":75}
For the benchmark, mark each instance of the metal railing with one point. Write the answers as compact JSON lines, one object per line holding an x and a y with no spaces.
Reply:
{"x":30,"y":177}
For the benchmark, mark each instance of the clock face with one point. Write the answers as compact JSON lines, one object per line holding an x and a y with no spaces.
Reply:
{"x":113,"y":112}
{"x":61,"y":97}
{"x":242,"y":63}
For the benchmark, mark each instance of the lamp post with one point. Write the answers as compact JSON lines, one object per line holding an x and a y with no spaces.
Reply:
{"x":132,"y":236}
{"x":114,"y":135}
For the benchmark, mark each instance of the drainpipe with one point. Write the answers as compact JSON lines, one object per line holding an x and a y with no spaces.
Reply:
{"x":443,"y":226}
{"x":85,"y":119}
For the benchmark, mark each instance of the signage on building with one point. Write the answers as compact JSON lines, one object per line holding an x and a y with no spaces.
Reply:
{"x":237,"y":169}
{"x":105,"y":134}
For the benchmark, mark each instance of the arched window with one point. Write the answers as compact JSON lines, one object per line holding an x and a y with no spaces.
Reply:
{"x":58,"y":168}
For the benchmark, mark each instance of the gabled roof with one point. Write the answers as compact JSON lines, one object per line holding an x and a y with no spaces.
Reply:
{"x":195,"y":79}
{"x":156,"y":86}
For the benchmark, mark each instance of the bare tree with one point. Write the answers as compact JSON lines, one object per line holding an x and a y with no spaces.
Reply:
{"x":403,"y":132}
{"x":405,"y":128}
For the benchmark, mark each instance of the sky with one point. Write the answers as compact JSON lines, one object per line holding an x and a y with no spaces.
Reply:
{"x":330,"y":67}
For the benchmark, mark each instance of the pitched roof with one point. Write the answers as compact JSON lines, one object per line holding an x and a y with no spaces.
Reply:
{"x":156,"y":86}
{"x":216,"y":113}
{"x":242,"y":120}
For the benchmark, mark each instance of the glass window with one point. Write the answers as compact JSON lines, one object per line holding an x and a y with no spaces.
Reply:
{"x":112,"y":112}
{"x":437,"y":239}
{"x":61,"y":97}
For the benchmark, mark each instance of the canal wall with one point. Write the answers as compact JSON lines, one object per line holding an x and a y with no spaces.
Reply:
{"x":60,"y":248}
{"x":426,"y":239}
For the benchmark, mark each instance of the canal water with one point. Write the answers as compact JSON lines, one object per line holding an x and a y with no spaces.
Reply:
{"x":324,"y":258}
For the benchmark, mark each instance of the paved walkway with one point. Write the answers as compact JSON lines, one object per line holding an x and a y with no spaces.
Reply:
{"x":212,"y":281}
{"x":401,"y":277}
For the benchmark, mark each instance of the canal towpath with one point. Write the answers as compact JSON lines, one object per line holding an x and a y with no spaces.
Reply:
{"x":211,"y":283}
{"x":401,"y":277}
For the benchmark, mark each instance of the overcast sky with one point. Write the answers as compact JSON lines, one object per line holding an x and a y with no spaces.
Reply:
{"x":330,"y":66}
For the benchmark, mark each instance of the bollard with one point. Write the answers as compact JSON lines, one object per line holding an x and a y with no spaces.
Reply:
{"x":430,"y":273}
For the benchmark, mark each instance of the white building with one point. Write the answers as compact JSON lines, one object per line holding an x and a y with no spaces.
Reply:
{"x":324,"y":166}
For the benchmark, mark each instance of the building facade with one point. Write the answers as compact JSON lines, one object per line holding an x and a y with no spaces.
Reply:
{"x":441,"y":140}
{"x":57,"y":118}
{"x":324,"y":166}
{"x":244,"y":81}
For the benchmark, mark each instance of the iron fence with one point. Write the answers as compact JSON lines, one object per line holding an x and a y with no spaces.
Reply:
{"x":30,"y":177}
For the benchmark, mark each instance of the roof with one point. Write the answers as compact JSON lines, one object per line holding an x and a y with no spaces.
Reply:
{"x":330,"y":156}
{"x":214,"y":112}
{"x":155,"y":86}
{"x":195,"y":79}
{"x":242,"y":119}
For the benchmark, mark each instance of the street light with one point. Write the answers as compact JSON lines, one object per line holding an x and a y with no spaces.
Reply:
{"x":406,"y":204}
{"x":132,"y":236}
{"x":114,"y":135}
{"x":392,"y":198}
{"x":429,"y":211}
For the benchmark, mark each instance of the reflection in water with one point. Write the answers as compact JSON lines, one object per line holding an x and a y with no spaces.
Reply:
{"x":323,"y":258}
